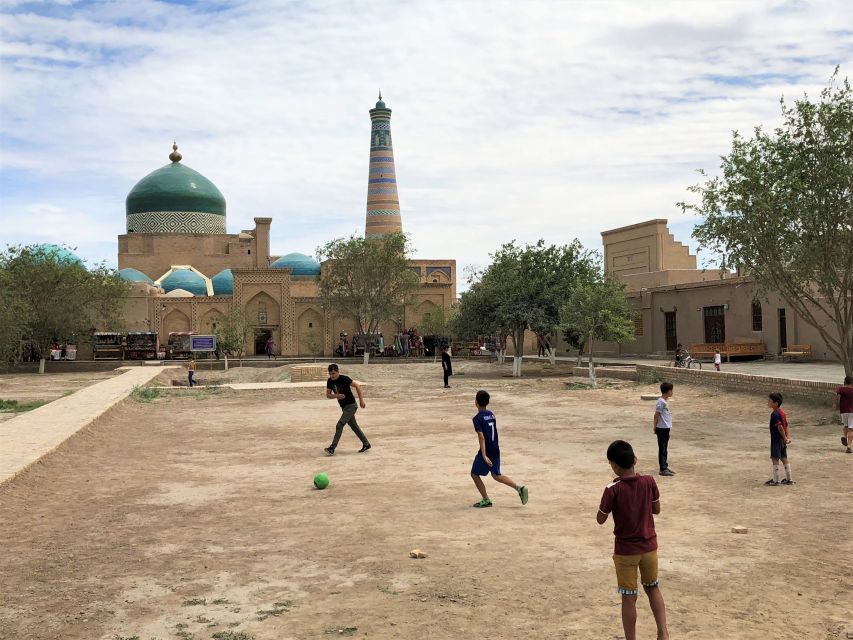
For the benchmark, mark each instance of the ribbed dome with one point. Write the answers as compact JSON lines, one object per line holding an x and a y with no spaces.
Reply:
{"x":175,"y":199}
{"x":299,"y":263}
{"x":134,"y":275}
{"x":60,"y":254}
{"x":223,"y":283}
{"x":184,"y":279}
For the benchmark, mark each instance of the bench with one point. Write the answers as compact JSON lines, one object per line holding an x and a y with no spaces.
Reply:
{"x":727,"y":349}
{"x":797,"y":351}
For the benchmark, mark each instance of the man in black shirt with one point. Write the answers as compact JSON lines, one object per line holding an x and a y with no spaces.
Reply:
{"x":339,"y":387}
{"x":447,"y":366}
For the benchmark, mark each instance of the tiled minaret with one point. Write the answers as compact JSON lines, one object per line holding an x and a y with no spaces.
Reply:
{"x":383,"y":205}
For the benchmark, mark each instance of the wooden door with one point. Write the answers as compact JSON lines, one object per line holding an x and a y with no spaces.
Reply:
{"x":715,"y":324}
{"x":671,"y":330}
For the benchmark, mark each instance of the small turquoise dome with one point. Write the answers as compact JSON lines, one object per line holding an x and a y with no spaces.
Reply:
{"x":299,"y":263}
{"x":60,"y":254}
{"x":134,"y":275}
{"x":184,"y":279}
{"x":223,"y":283}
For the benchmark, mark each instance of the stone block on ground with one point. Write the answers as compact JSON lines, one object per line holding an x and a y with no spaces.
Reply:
{"x":309,"y":373}
{"x":417,"y":553}
{"x":649,"y":396}
{"x":739,"y":529}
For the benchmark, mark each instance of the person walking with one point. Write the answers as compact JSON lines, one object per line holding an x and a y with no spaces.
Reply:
{"x":447,"y":366}
{"x":339,"y":387}
{"x":191,"y":372}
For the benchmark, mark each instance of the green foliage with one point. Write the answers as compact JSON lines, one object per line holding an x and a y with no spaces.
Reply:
{"x":232,"y":635}
{"x":438,"y":323}
{"x":145,"y":394}
{"x":49,"y":297}
{"x":233,"y":333}
{"x":782,"y":211}
{"x":13,"y":406}
{"x":367,"y":280}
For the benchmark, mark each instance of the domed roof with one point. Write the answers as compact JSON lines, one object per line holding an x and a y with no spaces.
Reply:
{"x":179,"y":293}
{"x":223,"y":283}
{"x":134,"y":275}
{"x":60,"y":254}
{"x":175,"y":199}
{"x":186,"y":279}
{"x":299,"y":263}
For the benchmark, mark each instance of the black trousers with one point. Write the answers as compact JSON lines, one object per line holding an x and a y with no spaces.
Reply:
{"x":663,"y":444}
{"x":348,"y":418}
{"x":447,"y":375}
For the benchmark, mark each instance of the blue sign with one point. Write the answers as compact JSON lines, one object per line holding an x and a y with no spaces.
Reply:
{"x":202,"y":343}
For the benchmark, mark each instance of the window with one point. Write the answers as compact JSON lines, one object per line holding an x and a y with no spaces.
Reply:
{"x":310,"y":324}
{"x":638,"y":325}
{"x":757,"y":320}
{"x":262,"y":313}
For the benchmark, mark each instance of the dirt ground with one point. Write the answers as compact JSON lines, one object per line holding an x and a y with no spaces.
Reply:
{"x":27,"y":387}
{"x":193,"y":516}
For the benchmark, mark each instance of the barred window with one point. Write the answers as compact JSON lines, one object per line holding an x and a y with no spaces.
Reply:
{"x":757,"y":319}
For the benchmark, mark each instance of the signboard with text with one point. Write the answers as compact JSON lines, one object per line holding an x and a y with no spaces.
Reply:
{"x":202,"y":343}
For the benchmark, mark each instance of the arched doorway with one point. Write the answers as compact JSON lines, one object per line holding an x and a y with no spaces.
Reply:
{"x":264,"y":313}
{"x":176,"y":320}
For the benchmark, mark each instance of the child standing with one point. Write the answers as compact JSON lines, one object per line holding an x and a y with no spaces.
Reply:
{"x":663,"y":426}
{"x":633,"y":499}
{"x":779,"y":441}
{"x":447,"y":367}
{"x":717,"y":359}
{"x":844,"y":402}
{"x":191,"y":371}
{"x":488,"y":458}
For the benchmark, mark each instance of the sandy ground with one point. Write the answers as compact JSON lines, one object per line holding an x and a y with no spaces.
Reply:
{"x":26,"y":387}
{"x":193,"y":516}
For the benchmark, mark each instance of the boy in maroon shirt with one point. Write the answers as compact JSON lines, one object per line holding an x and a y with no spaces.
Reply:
{"x":633,"y":499}
{"x":844,"y":402}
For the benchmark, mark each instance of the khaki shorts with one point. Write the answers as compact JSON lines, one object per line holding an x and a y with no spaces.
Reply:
{"x":626,"y":571}
{"x":847,"y":420}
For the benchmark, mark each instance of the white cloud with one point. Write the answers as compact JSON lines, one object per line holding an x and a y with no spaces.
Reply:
{"x":510,"y":120}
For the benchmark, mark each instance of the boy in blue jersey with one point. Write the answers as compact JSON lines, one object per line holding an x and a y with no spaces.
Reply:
{"x":488,"y":458}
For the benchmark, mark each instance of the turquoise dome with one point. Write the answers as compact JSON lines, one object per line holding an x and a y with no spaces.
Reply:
{"x":299,"y":263}
{"x":175,"y":199}
{"x":184,"y":279}
{"x":134,"y":275}
{"x":60,"y":254}
{"x":223,"y":283}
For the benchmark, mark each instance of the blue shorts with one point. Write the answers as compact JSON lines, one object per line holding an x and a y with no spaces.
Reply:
{"x":480,"y":468}
{"x":778,"y":449}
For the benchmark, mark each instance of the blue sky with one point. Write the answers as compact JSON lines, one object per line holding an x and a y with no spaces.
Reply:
{"x":511,"y":120}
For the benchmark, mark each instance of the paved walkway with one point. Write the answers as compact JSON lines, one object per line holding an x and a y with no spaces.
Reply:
{"x":249,"y":386}
{"x":30,"y":436}
{"x":816,"y":371}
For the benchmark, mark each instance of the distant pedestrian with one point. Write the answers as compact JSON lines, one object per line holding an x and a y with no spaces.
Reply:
{"x":780,"y":438}
{"x":191,"y":372}
{"x":447,"y":366}
{"x":717,"y":359}
{"x":339,"y":387}
{"x":844,"y":402}
{"x":270,"y":349}
{"x":663,"y":427}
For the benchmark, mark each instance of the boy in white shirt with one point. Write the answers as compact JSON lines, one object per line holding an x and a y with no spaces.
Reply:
{"x":663,"y":426}
{"x":717,"y":359}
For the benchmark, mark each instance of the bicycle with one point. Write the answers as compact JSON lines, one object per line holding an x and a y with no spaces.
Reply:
{"x":688,"y":362}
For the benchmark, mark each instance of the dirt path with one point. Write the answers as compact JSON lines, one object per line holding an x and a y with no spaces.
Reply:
{"x":193,"y":516}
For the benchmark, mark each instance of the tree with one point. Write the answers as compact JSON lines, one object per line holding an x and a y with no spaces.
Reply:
{"x":437,"y":323}
{"x":59,"y":298}
{"x":782,"y":212}
{"x":232,"y":334}
{"x":600,"y":311}
{"x":12,"y":323}
{"x":523,"y":289}
{"x":368,"y":280}
{"x":312,"y":341}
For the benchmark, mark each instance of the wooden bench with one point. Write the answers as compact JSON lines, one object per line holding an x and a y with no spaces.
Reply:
{"x":797,"y":351}
{"x":727,"y":349}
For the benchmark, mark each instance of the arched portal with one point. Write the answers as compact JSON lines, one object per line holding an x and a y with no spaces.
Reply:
{"x":264,"y":315}
{"x":310,"y":333}
{"x":176,"y":320}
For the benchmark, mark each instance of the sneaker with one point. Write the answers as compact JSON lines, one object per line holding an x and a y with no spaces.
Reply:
{"x":771,"y":483}
{"x":364,"y":448}
{"x":849,"y":450}
{"x":522,"y":493}
{"x":667,"y":472}
{"x":844,"y":440}
{"x":482,"y":504}
{"x":329,"y":451}
{"x":786,"y":481}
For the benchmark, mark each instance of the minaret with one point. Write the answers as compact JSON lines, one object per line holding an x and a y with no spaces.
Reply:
{"x":383,"y":205}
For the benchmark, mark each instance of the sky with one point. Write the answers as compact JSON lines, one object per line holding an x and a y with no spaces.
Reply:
{"x":511,"y":120}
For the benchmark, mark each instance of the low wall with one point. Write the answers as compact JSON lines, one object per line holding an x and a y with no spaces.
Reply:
{"x":808,"y":390}
{"x":621,"y":373}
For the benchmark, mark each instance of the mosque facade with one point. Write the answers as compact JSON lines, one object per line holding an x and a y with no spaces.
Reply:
{"x":188,"y":273}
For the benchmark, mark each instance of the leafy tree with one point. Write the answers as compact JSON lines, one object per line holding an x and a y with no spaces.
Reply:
{"x":232,"y":334}
{"x":12,"y":322}
{"x":312,"y":341}
{"x":522,"y":289}
{"x":367,"y":280}
{"x":782,"y":212}
{"x":438,"y":323}
{"x":58,"y":297}
{"x":600,"y":311}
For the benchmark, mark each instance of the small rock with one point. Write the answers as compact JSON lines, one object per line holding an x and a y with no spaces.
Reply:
{"x":739,"y":529}
{"x":647,"y":396}
{"x":417,"y":553}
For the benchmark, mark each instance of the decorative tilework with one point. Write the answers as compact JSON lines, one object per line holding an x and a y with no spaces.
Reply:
{"x":383,"y":212}
{"x":378,"y":180}
{"x":381,"y":125}
{"x":382,"y":159}
{"x":175,"y":222}
{"x":378,"y":191}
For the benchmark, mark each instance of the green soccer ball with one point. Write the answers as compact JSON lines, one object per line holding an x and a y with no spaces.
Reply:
{"x":321,"y":481}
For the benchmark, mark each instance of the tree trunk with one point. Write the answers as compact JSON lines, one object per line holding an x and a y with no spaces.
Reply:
{"x":552,"y":355}
{"x":226,"y":362}
{"x":592,"y":379}
{"x":366,"y":354}
{"x":519,"y":352}
{"x":41,"y":365}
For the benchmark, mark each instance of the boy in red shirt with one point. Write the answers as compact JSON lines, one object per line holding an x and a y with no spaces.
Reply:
{"x":633,"y":499}
{"x":844,"y":403}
